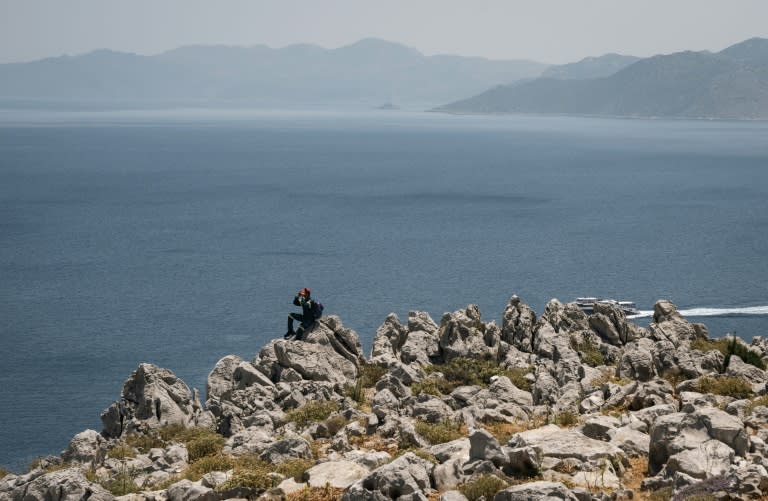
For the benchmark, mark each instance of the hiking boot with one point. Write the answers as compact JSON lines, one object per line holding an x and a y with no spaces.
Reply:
{"x":289,"y":335}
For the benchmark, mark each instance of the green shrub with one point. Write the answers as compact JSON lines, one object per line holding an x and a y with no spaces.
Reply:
{"x":463,"y":371}
{"x":370,"y":374}
{"x":312,"y":412}
{"x":335,"y":423}
{"x":748,"y":356}
{"x":485,"y":486}
{"x":729,"y":386}
{"x":566,"y":418}
{"x":588,"y":350}
{"x":249,"y":472}
{"x":144,"y":442}
{"x":175,"y":433}
{"x":207,"y":464}
{"x":439,"y":433}
{"x":356,"y":392}
{"x":517,"y":376}
{"x":432,"y":386}
{"x":294,"y":468}
{"x":121,"y":451}
{"x":757,"y":403}
{"x":124,"y":482}
{"x":3,"y":472}
{"x":703,"y":344}
{"x":207,"y":443}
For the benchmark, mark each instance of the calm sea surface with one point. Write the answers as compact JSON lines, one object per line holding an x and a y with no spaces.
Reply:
{"x":179,"y":238}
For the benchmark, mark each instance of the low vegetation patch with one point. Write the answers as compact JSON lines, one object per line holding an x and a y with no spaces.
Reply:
{"x":432,"y":386}
{"x":485,"y":486}
{"x":124,"y":482}
{"x":326,"y":493}
{"x":503,"y":430}
{"x":566,"y":418}
{"x":295,"y":468}
{"x":121,"y":451}
{"x":439,"y":433}
{"x":144,"y":442}
{"x":729,"y":386}
{"x":370,"y":374}
{"x":704,"y":344}
{"x":609,"y":376}
{"x":249,"y":472}
{"x":735,"y":347}
{"x":207,"y":464}
{"x":757,"y":403}
{"x":3,"y":472}
{"x":588,"y":350}
{"x":469,"y":372}
{"x":728,"y":347}
{"x":312,"y":412}
{"x":663,"y":494}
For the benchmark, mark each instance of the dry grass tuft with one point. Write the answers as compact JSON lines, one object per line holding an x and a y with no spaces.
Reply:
{"x":326,"y":493}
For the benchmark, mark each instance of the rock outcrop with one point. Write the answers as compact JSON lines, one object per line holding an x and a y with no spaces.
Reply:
{"x":563,"y":406}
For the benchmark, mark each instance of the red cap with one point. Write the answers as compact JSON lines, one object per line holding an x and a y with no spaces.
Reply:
{"x":305,"y":292}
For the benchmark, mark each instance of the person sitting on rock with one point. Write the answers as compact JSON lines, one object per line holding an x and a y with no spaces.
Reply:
{"x":310,"y":311}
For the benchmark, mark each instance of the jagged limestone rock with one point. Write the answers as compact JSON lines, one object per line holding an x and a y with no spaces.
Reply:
{"x":517,"y":325}
{"x":63,"y":485}
{"x":407,"y":477}
{"x":152,"y":397}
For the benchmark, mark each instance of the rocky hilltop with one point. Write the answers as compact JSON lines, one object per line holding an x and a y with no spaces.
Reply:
{"x":559,"y":406}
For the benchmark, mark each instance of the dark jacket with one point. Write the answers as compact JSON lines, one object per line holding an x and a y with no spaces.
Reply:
{"x":306,"y":308}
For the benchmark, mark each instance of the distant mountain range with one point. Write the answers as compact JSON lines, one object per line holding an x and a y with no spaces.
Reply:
{"x":730,"y":84}
{"x":368,"y":73}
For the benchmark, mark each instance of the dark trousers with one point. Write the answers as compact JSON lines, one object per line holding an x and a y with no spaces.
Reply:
{"x":305,"y":323}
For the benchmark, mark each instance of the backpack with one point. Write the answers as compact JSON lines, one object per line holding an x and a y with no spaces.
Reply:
{"x":317,"y":309}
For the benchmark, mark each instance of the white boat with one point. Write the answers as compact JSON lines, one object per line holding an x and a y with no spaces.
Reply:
{"x":587,"y":305}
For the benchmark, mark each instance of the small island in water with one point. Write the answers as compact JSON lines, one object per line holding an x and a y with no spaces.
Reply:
{"x":565,"y":405}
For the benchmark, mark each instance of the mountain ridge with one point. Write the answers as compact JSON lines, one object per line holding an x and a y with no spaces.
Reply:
{"x":730,"y":84}
{"x":368,"y":72}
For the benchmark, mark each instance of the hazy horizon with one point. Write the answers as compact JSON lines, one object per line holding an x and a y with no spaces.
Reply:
{"x":551,"y":31}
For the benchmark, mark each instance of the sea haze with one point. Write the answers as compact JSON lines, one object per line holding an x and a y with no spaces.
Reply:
{"x":179,"y":238}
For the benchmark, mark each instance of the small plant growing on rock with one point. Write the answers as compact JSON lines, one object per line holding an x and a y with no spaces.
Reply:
{"x":730,"y":386}
{"x":588,"y":351}
{"x":757,"y":403}
{"x":566,"y":418}
{"x":124,"y":482}
{"x":439,"y":433}
{"x":312,"y":412}
{"x":743,"y":352}
{"x":485,"y":486}
{"x":121,"y":451}
{"x":370,"y":374}
{"x":3,"y":472}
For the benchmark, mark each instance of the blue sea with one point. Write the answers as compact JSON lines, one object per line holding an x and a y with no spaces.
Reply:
{"x":177,"y":238}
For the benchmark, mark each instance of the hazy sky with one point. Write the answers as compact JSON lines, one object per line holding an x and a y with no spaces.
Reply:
{"x":553,"y":31}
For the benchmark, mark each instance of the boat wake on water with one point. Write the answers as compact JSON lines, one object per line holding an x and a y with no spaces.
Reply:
{"x":711,"y":312}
